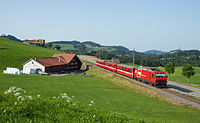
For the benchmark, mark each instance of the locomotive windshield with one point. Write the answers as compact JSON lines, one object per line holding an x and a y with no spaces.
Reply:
{"x":160,"y":76}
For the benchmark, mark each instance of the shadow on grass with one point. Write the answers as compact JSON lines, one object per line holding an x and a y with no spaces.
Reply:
{"x":3,"y":48}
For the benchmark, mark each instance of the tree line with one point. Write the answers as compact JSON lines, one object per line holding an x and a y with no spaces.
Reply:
{"x":180,"y":58}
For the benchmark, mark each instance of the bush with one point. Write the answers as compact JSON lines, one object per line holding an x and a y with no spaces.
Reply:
{"x":18,"y":106}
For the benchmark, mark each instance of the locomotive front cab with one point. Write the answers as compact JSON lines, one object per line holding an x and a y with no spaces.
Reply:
{"x":161,"y":79}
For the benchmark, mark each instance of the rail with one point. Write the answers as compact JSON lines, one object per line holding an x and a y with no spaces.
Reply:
{"x":195,"y":102}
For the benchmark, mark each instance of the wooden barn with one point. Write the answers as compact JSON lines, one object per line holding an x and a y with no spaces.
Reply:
{"x":56,"y":64}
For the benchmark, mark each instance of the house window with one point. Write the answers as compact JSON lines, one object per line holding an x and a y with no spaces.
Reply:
{"x":76,"y":63}
{"x":72,"y":63}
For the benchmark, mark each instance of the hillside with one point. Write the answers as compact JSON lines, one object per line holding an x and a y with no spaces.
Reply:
{"x":90,"y":46}
{"x":14,"y":54}
{"x":10,"y":37}
{"x":115,"y":99}
{"x":155,"y":52}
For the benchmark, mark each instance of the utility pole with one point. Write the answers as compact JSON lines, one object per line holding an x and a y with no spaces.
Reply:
{"x":99,"y":54}
{"x":133,"y":57}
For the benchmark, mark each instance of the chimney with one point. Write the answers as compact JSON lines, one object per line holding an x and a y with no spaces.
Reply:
{"x":35,"y":58}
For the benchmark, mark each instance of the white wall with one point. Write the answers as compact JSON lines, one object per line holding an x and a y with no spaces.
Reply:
{"x":34,"y":65}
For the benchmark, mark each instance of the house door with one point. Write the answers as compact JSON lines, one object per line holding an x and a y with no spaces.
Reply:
{"x":37,"y":70}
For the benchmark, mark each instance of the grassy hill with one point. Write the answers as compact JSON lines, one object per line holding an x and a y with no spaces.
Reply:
{"x":10,"y":37}
{"x":14,"y":54}
{"x":114,"y":97}
{"x":154,"y":52}
{"x":89,"y":46}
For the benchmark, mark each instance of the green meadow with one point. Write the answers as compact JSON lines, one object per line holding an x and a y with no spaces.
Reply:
{"x":178,"y":77}
{"x":65,"y":46}
{"x":14,"y":54}
{"x":112,"y":102}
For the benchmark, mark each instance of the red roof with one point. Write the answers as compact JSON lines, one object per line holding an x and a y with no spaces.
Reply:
{"x":30,"y":42}
{"x":67,"y":57}
{"x":51,"y":61}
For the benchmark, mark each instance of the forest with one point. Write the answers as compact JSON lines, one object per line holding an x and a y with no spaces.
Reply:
{"x":179,"y":58}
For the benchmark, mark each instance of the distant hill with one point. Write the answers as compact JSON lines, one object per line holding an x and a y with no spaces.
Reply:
{"x":65,"y":42}
{"x":174,"y":51}
{"x":90,"y":46}
{"x":156,"y":52}
{"x":10,"y":37}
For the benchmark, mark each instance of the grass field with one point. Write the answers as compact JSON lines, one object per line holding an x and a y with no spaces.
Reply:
{"x":108,"y":91}
{"x":17,"y":53}
{"x":178,"y":77}
{"x":18,"y":105}
{"x":105,"y":95}
{"x":65,"y":46}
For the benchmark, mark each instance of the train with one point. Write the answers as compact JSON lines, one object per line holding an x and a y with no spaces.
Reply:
{"x":149,"y":75}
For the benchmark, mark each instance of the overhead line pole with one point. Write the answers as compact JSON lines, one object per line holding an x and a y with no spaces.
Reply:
{"x":133,"y":57}
{"x":99,"y":54}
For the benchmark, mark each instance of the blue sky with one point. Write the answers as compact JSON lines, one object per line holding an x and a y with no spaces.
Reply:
{"x":141,"y":24}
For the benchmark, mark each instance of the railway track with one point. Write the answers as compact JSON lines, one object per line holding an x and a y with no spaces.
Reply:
{"x":182,"y":95}
{"x":164,"y":91}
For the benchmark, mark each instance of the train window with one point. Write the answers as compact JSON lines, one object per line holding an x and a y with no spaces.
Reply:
{"x":135,"y":71}
{"x":160,"y":76}
{"x":152,"y":75}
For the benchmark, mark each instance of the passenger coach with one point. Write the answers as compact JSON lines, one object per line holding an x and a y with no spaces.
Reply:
{"x":152,"y":76}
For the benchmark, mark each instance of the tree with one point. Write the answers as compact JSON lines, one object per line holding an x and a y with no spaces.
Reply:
{"x":75,"y":46}
{"x":169,"y":68}
{"x":57,"y":47}
{"x":49,"y":45}
{"x":188,"y":71}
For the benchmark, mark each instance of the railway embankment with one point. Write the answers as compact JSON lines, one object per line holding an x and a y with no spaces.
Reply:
{"x":178,"y":92}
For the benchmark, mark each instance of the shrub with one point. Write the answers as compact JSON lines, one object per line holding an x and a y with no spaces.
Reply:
{"x":17,"y":105}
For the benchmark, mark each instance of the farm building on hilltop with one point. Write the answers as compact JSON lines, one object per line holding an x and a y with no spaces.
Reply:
{"x":38,"y":42}
{"x":55,"y":64}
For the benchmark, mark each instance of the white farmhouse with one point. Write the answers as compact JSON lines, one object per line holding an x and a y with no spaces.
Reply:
{"x":33,"y":64}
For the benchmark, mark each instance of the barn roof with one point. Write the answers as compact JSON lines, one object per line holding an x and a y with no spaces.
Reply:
{"x":55,"y":60}
{"x":51,"y":61}
{"x":66,"y":57}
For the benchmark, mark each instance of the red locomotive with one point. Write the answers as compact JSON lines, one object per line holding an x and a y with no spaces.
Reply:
{"x":153,"y":76}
